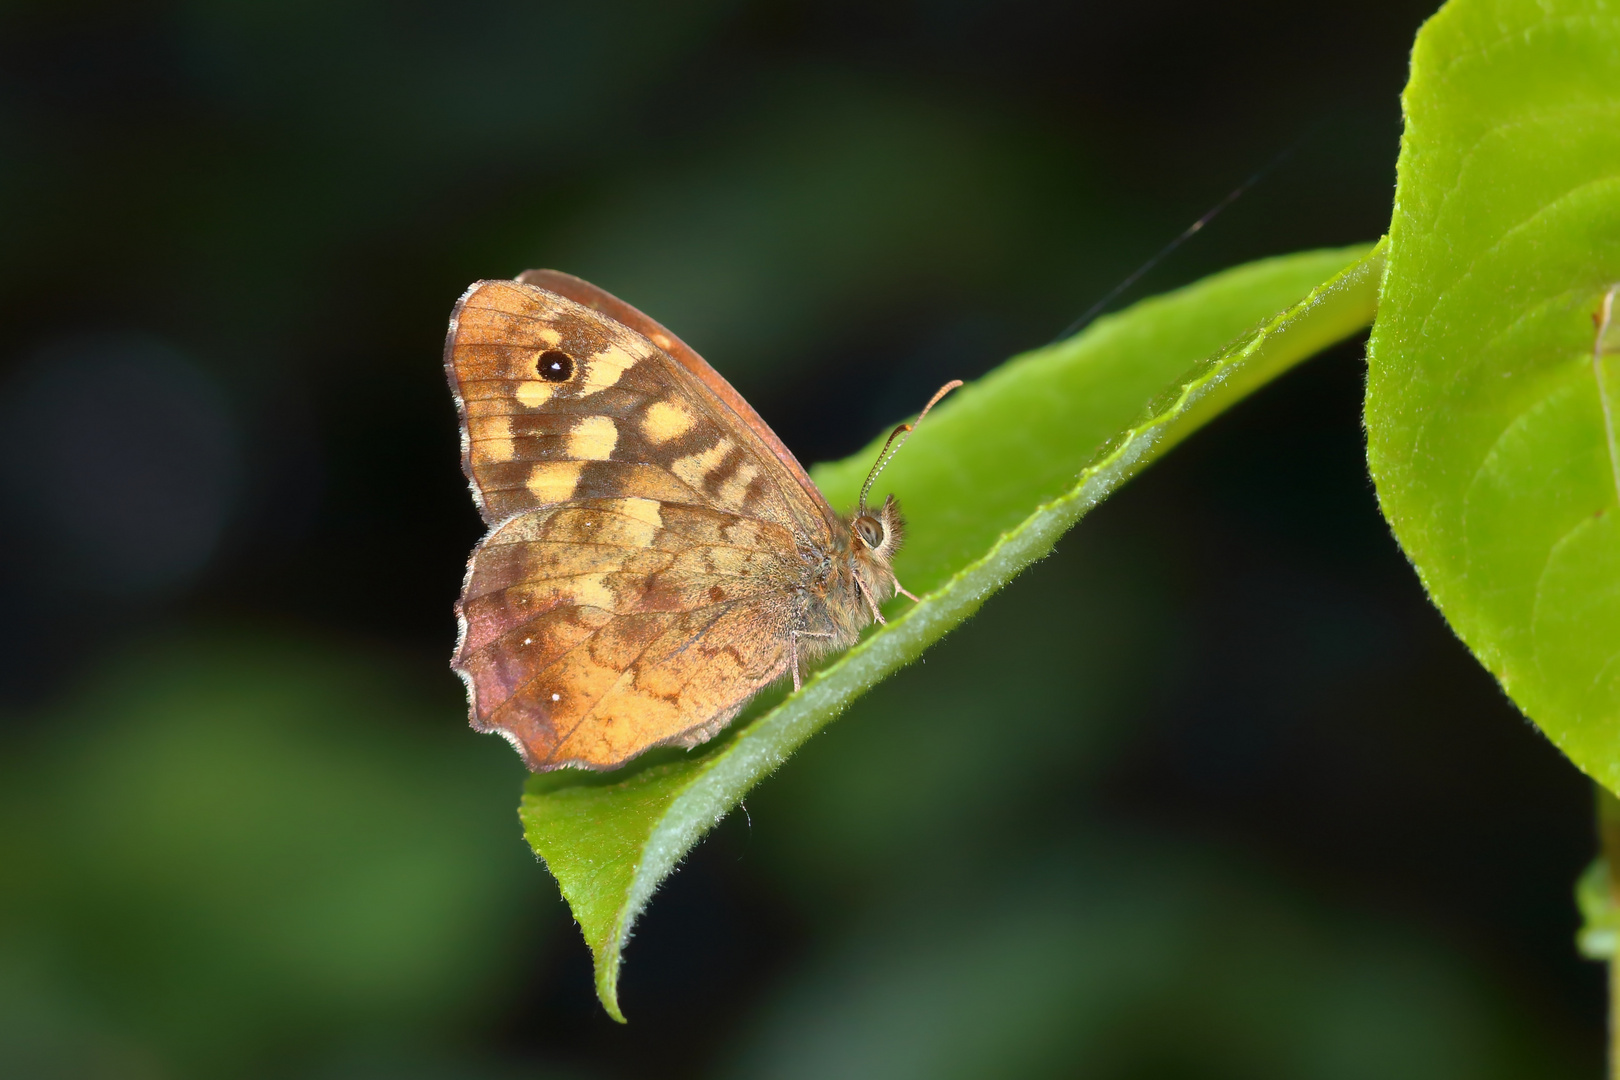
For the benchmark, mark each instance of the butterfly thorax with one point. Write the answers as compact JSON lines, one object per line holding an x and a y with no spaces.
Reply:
{"x":846,"y":586}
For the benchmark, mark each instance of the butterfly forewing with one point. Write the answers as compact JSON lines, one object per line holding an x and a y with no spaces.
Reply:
{"x":649,"y":551}
{"x":609,"y":413}
{"x":600,"y":300}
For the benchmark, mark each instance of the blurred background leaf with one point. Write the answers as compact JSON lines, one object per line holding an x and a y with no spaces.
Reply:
{"x":1137,"y":955}
{"x":234,"y":233}
{"x":234,"y":845}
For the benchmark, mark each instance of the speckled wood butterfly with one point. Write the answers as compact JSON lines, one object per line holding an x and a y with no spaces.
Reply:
{"x":655,"y":555}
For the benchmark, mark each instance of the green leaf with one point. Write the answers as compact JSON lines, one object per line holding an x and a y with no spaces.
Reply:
{"x":999,"y":472}
{"x":1486,"y":435}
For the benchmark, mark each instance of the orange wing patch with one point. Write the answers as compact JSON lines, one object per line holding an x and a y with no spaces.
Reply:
{"x":688,"y":682}
{"x":596,"y":625}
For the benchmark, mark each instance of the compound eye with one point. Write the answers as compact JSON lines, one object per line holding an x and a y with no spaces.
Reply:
{"x":870,"y":531}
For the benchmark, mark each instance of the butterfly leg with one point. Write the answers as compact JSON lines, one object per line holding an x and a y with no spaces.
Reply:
{"x":794,"y":636}
{"x":871,"y":603}
{"x":903,"y":591}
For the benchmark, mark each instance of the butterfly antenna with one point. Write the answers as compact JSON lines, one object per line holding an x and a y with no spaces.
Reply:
{"x":1186,"y":234}
{"x":903,"y":432}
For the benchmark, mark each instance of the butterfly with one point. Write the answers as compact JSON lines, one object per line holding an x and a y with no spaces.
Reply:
{"x":655,"y":554}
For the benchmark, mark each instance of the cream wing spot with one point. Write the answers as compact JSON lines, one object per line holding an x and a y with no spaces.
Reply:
{"x":694,"y":469}
{"x":592,"y":590}
{"x":554,"y":481}
{"x":637,"y":521}
{"x":736,"y":485}
{"x":603,"y":369}
{"x":593,"y":438}
{"x":644,"y":510}
{"x":533,"y":393}
{"x":493,"y":436}
{"x":665,"y":420}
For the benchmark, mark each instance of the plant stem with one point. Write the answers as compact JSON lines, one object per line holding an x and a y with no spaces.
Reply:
{"x":1609,"y":835}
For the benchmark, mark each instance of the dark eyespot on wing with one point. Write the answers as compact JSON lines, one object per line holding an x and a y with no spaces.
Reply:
{"x":555,"y":366}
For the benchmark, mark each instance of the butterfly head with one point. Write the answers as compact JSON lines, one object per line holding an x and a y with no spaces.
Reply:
{"x":875,"y":536}
{"x":878,"y":532}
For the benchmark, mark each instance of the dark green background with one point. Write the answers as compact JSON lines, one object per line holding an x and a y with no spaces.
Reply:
{"x":1212,"y":792}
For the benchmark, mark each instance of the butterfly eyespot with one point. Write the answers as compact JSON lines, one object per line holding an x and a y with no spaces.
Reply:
{"x":870,"y":530}
{"x":555,"y":366}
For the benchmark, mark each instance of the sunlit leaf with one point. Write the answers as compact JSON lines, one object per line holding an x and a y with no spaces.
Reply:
{"x":1486,"y":435}
{"x":989,"y":483}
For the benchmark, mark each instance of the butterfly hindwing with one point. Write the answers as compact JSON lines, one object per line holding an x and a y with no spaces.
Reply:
{"x":601,"y":627}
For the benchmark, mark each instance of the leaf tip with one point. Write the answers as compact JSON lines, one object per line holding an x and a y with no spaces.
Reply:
{"x":607,"y":983}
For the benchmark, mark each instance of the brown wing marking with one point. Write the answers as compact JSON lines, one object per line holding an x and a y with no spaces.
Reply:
{"x":583,"y":292}
{"x":561,"y":603}
{"x":629,"y":420}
